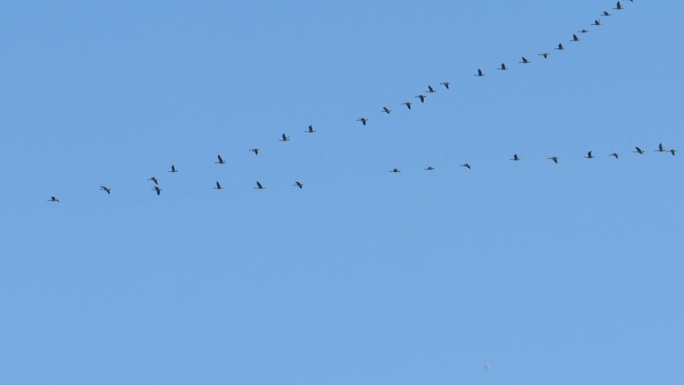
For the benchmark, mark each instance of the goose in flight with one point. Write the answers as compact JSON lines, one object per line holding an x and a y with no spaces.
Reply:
{"x":545,"y":55}
{"x":661,"y":148}
{"x":284,"y":138}
{"x":362,"y":120}
{"x":590,"y":155}
{"x":311,"y":129}
{"x":421,"y":97}
{"x":466,"y":165}
{"x":259,"y":186}
{"x":220,"y":160}
{"x":619,"y":6}
{"x":173,"y":168}
{"x":524,"y":61}
{"x":672,"y":151}
{"x":429,"y":168}
{"x":407,"y":104}
{"x":254,"y":150}
{"x":480,"y":73}
{"x":386,"y":110}
{"x":53,"y":199}
{"x":430,"y":90}
{"x":583,"y":31}
{"x":575,"y":37}
{"x":639,"y":151}
{"x":218,"y":186}
{"x":395,"y":170}
{"x":616,"y":155}
{"x":106,"y":189}
{"x":560,"y":47}
{"x":155,"y":180}
{"x":515,"y":157}
{"x":503,"y":67}
{"x":597,"y":22}
{"x":299,"y":184}
{"x":445,"y":84}
{"x":157,"y":189}
{"x":554,"y":159}
{"x":606,"y":13}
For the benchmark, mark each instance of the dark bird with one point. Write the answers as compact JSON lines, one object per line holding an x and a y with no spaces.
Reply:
{"x":259,"y":186}
{"x":616,"y":155}
{"x":606,"y":13}
{"x":619,"y":6}
{"x":173,"y":168}
{"x":53,"y":199}
{"x":429,"y":168}
{"x":107,"y":189}
{"x":285,"y":138}
{"x":445,"y":84}
{"x":218,"y":186}
{"x":515,"y":157}
{"x":672,"y":151}
{"x":220,"y":160}
{"x":395,"y":170}
{"x":554,"y":159}
{"x":503,"y":67}
{"x":466,"y":165}
{"x":583,"y":31}
{"x":299,"y":184}
{"x":153,"y":179}
{"x":157,"y":189}
{"x":545,"y":55}
{"x":524,"y":61}
{"x":254,"y":150}
{"x":362,"y":120}
{"x":479,"y":72}
{"x":560,"y":47}
{"x":421,"y":97}
{"x":590,"y":155}
{"x":597,"y":22}
{"x":430,"y":89}
{"x":311,"y":129}
{"x":639,"y":151}
{"x":575,"y":38}
{"x":386,"y":110}
{"x":407,"y":104}
{"x":661,"y":148}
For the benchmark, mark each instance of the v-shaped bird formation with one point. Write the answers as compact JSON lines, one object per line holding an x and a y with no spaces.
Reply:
{"x":422,"y":98}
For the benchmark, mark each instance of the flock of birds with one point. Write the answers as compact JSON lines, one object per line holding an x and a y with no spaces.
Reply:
{"x":408,"y":104}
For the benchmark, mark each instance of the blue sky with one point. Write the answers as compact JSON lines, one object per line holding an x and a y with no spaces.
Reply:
{"x":551,"y":274}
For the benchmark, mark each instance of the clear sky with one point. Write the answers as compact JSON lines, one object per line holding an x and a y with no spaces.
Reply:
{"x":567,"y":273}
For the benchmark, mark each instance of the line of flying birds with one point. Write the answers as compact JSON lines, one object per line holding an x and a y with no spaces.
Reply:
{"x":408,"y":105}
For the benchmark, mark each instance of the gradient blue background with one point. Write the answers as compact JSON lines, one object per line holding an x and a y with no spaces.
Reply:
{"x":550,"y":274}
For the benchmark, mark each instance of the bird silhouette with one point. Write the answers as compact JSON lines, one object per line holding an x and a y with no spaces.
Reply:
{"x":430,"y":89}
{"x":515,"y":157}
{"x":362,"y":120}
{"x":299,"y":184}
{"x":254,"y":150}
{"x":284,"y":138}
{"x":606,"y":13}
{"x":619,"y":6}
{"x":220,"y":160}
{"x":575,"y":37}
{"x":173,"y":168}
{"x":639,"y":151}
{"x":672,"y":151}
{"x":583,"y":31}
{"x":597,"y":22}
{"x":53,"y":199}
{"x":395,"y":170}
{"x":311,"y":129}
{"x":480,"y":73}
{"x":545,"y":55}
{"x":218,"y":186}
{"x":407,"y":104}
{"x":445,"y":84}
{"x":590,"y":155}
{"x":560,"y":47}
{"x":153,"y":179}
{"x":386,"y":110}
{"x":615,"y":155}
{"x":524,"y":61}
{"x":106,"y":189}
{"x":554,"y":159}
{"x":157,"y":189}
{"x":466,"y":165}
{"x":429,"y":168}
{"x":259,"y":186}
{"x":661,"y":148}
{"x":503,"y":67}
{"x":421,"y":97}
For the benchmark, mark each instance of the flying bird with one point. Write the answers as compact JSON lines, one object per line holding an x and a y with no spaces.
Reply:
{"x":575,"y":38}
{"x":407,"y":104}
{"x":606,"y":13}
{"x":554,"y":159}
{"x":616,"y":155}
{"x":421,"y":97}
{"x":429,"y":168}
{"x":220,"y":160}
{"x":597,"y":22}
{"x":153,"y":179}
{"x":583,"y":31}
{"x":479,"y":72}
{"x":53,"y":199}
{"x":639,"y":151}
{"x":660,"y":148}
{"x":590,"y":155}
{"x":311,"y":129}
{"x":386,"y":110}
{"x":173,"y":168}
{"x":466,"y":165}
{"x":672,"y":151}
{"x":157,"y":189}
{"x":254,"y":150}
{"x":430,"y":89}
{"x":299,"y":184}
{"x":259,"y":186}
{"x":560,"y":47}
{"x":544,"y":54}
{"x":515,"y":157}
{"x":218,"y":186}
{"x":503,"y":67}
{"x":524,"y":61}
{"x":285,"y":138}
{"x":619,"y":6}
{"x":362,"y":120}
{"x":107,"y":189}
{"x":445,"y":84}
{"x":395,"y":170}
